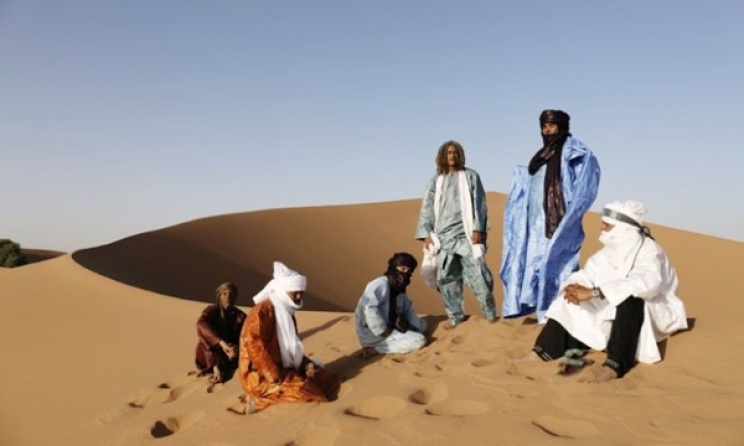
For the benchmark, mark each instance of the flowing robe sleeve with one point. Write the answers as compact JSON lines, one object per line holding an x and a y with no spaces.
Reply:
{"x":258,"y":330}
{"x":406,"y":308}
{"x":480,"y":207}
{"x":426,"y":216}
{"x":643,"y":281}
{"x":205,"y":326}
{"x":375,"y":307}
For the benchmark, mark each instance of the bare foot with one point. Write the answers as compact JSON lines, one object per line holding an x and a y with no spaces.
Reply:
{"x":368,"y":352}
{"x":606,"y":374}
{"x":247,"y":405}
{"x":530,"y":356}
{"x":216,"y":377}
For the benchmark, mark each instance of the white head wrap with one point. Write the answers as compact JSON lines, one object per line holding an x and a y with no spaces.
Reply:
{"x":284,"y":280}
{"x":614,"y":212}
{"x":622,"y":241}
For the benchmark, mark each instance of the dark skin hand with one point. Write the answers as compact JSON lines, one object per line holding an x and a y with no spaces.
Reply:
{"x":576,"y":294}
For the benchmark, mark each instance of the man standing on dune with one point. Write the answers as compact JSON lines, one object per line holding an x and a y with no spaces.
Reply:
{"x":453,"y":225}
{"x":543,"y":217}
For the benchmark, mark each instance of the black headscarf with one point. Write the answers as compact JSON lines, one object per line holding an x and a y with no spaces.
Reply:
{"x":550,"y":154}
{"x":398,"y":282}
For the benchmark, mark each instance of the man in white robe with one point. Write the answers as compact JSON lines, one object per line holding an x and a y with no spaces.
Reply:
{"x":622,"y":301}
{"x":385,"y":318}
{"x":453,"y":224}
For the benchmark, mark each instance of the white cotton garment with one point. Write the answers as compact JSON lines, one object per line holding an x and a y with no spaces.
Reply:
{"x":285,"y":279}
{"x":466,"y":210}
{"x":636,"y":267}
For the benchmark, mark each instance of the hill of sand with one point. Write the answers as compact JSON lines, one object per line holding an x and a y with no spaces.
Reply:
{"x":39,"y":255}
{"x":97,"y":353}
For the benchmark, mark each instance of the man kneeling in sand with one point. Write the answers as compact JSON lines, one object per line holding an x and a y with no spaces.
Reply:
{"x":273,"y":367}
{"x":385,"y":319}
{"x":218,"y":329}
{"x":622,"y":301}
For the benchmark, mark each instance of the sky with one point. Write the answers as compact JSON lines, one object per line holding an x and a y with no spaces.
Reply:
{"x":120,"y":117}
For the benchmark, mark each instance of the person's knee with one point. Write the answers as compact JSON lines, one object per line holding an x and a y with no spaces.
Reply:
{"x":418,"y":341}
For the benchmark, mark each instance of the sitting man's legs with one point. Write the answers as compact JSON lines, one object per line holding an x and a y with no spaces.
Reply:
{"x":623,"y":342}
{"x":398,"y":342}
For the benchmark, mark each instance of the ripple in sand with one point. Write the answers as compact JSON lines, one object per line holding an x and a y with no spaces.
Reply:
{"x":561,"y":427}
{"x":316,"y":436}
{"x":378,"y":407}
{"x":477,"y":363}
{"x":169,"y":426}
{"x":432,"y":394}
{"x":458,"y":408}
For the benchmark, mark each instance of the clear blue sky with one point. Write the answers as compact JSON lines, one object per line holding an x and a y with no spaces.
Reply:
{"x":118,"y":117}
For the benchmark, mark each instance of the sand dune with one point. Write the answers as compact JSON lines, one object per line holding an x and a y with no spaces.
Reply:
{"x":96,"y":353}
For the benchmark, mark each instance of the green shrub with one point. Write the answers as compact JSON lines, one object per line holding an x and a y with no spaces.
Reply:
{"x":11,"y":254}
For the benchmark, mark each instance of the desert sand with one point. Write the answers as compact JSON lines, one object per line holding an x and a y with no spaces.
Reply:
{"x":98,"y":346}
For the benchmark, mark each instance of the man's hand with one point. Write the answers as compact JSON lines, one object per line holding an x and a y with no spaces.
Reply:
{"x":428,"y":242}
{"x":229,"y":349}
{"x":478,"y":238}
{"x":401,"y":324}
{"x":310,"y":369}
{"x":576,"y":293}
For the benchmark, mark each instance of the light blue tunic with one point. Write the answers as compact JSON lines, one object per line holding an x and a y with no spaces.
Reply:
{"x":533,"y":266}
{"x":455,"y":263}
{"x":371,"y":318}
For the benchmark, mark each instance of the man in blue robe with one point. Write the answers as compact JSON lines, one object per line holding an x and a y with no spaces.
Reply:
{"x":543,"y":218}
{"x":453,"y":224}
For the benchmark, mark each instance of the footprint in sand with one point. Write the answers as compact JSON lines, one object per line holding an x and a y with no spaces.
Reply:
{"x":316,"y":436}
{"x":378,"y":407}
{"x":432,"y":394}
{"x":457,"y":340}
{"x":562,"y":427}
{"x":169,"y":426}
{"x":166,"y":392}
{"x":458,"y":408}
{"x":478,"y":363}
{"x":524,"y":370}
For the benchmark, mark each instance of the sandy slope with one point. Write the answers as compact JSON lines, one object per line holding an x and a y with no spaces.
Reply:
{"x":93,"y":361}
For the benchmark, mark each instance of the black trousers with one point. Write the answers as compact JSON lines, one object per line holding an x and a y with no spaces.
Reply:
{"x":554,"y":340}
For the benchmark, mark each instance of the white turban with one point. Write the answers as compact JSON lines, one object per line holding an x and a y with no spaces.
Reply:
{"x":284,"y":280}
{"x":624,"y":213}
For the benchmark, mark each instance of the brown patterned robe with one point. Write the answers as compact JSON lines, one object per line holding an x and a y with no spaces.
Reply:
{"x":261,"y":371}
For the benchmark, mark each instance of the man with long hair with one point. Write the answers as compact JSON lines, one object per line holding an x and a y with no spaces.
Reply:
{"x":218,"y":329}
{"x":453,"y":224}
{"x":543,"y":218}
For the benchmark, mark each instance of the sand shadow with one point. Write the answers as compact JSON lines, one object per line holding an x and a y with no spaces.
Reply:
{"x":347,"y":367}
{"x":325,"y":326}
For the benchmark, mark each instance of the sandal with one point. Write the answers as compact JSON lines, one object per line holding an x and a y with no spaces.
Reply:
{"x":573,"y":361}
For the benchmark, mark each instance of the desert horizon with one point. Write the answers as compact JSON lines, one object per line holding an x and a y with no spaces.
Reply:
{"x":101,"y":341}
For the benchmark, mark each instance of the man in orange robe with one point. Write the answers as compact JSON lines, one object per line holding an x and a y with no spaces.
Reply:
{"x":272,"y":365}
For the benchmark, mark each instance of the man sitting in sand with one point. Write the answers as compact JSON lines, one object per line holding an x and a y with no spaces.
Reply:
{"x":273,"y":367}
{"x":218,"y":329}
{"x":385,"y":319}
{"x":622,"y":301}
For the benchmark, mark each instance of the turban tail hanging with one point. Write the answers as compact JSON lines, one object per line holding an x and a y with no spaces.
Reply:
{"x":551,"y":154}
